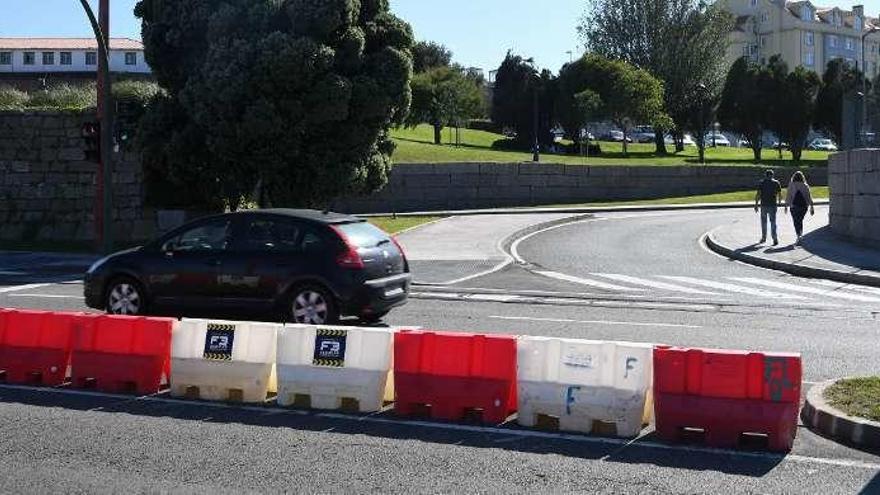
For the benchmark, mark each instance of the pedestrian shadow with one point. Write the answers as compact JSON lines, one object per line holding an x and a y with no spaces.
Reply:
{"x":782,"y":249}
{"x":824,"y":243}
{"x":385,"y":425}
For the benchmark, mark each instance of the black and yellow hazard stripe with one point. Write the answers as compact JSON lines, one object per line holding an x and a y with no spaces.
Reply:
{"x":331,"y":332}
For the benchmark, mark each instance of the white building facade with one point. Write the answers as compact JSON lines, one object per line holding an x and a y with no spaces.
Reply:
{"x":35,"y":56}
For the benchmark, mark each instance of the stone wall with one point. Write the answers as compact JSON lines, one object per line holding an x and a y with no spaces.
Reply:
{"x":470,"y":185}
{"x":855,"y":195}
{"x":47,"y":187}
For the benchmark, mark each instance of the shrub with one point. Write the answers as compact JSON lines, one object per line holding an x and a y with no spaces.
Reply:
{"x":484,"y":125}
{"x":65,"y":97}
{"x":141,"y":92}
{"x":12,"y":99}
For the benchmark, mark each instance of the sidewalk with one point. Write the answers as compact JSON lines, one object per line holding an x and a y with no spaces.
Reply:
{"x":821,"y":255}
{"x":459,"y":248}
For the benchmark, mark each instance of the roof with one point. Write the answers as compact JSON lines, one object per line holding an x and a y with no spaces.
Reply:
{"x":741,"y":22}
{"x":67,"y":44}
{"x":309,"y":215}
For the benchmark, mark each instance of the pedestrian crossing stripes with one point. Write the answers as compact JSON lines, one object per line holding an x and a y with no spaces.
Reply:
{"x":788,"y":289}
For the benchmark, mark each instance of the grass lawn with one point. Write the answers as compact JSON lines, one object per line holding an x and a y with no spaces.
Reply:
{"x":856,"y":397}
{"x":731,"y":197}
{"x":415,"y":146}
{"x":394,"y":225}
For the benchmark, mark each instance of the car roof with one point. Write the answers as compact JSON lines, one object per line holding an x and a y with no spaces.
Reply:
{"x":316,"y":216}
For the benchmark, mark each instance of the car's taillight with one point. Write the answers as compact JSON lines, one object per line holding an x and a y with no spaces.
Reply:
{"x":399,"y":247}
{"x":349,"y":258}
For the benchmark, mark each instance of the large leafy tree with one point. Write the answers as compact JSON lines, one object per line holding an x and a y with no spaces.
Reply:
{"x":518,"y":92}
{"x":680,"y":42}
{"x":444,"y":96}
{"x":295,"y":96}
{"x":429,"y":54}
{"x":840,"y":80}
{"x":794,"y":103}
{"x":744,"y":106}
{"x":611,"y":89}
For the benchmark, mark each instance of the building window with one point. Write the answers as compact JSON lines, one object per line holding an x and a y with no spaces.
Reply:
{"x":91,"y":58}
{"x":832,"y":41}
{"x":849,"y":44}
{"x":5,"y":58}
{"x":66,"y":58}
{"x":858,"y":24}
{"x":807,"y":13}
{"x":131,"y":58}
{"x":48,"y":58}
{"x":809,"y":59}
{"x":754,"y":3}
{"x":29,"y":58}
{"x":765,"y":17}
{"x":809,"y":39}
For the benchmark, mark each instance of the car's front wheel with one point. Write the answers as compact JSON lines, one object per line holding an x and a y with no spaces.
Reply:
{"x":313,"y":305}
{"x":125,"y":297}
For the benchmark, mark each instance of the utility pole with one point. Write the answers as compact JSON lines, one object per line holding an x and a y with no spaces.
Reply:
{"x":104,"y":176}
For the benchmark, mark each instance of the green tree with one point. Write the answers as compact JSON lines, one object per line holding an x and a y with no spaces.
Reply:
{"x":794,"y":96}
{"x":615,"y":90}
{"x":428,"y":55}
{"x":444,"y":96}
{"x":518,"y":91}
{"x":840,"y":79}
{"x":680,"y":42}
{"x":744,"y":105}
{"x":296,"y":96}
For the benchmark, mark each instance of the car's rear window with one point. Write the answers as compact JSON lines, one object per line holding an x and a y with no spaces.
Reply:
{"x":363,"y":234}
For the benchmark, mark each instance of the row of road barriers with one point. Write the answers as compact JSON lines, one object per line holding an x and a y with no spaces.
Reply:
{"x":613,"y":388}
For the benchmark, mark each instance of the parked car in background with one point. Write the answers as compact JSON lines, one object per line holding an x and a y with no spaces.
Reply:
{"x":687,"y":140}
{"x":822,"y":144}
{"x":717,"y":139}
{"x":643,"y":134}
{"x":617,"y":137}
{"x":305,"y":266}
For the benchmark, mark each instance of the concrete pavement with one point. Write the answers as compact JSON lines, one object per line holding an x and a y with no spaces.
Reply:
{"x":822,"y":254}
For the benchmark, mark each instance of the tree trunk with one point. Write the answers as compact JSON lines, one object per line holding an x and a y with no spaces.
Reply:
{"x":438,"y":134}
{"x":625,"y":149}
{"x":679,"y":142}
{"x":795,"y":153}
{"x":756,"y":150}
{"x":660,"y":141}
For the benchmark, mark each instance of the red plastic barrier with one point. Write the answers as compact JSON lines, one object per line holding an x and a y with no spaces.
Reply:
{"x":727,"y":394}
{"x":122,"y":353}
{"x":35,"y":346}
{"x":453,"y":375}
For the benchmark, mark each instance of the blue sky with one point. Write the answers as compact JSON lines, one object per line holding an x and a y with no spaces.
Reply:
{"x":479,"y":32}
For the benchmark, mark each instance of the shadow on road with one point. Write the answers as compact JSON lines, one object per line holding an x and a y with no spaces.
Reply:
{"x":386,"y":425}
{"x":824,"y":243}
{"x":873,"y":486}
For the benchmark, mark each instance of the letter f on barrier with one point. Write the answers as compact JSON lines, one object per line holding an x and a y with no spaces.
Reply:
{"x":569,"y":399}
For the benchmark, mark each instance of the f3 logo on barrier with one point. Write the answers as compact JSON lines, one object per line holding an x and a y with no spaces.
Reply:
{"x":330,"y":347}
{"x":219,"y":341}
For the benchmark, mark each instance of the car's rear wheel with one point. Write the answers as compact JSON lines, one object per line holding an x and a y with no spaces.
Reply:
{"x":125,"y":297}
{"x":313,"y":305}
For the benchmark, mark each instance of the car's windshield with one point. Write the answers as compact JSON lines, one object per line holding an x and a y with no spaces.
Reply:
{"x":364,"y":234}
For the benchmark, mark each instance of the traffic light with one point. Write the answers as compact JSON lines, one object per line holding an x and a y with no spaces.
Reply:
{"x":91,"y":133}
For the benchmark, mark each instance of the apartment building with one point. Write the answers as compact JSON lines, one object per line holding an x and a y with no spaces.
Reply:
{"x":804,"y":34}
{"x":26,"y":62}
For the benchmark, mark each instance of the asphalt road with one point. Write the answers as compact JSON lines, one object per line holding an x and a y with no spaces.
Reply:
{"x":608,"y":278}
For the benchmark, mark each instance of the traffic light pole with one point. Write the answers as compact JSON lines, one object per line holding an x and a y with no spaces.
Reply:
{"x":104,"y":177}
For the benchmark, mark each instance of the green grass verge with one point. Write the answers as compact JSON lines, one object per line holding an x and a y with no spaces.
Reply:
{"x":856,"y":397}
{"x":731,"y":197}
{"x":394,"y":225}
{"x":416,"y":146}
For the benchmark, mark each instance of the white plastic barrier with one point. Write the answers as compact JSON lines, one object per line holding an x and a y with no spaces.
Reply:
{"x":334,"y":367}
{"x":578,"y":382}
{"x":223,"y":360}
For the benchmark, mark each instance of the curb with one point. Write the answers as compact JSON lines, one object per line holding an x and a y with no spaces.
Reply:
{"x":575,"y":210}
{"x":830,"y":422}
{"x":791,"y":268}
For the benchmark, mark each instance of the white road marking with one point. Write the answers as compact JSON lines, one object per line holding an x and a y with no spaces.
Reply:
{"x":806,"y":290}
{"x":733,"y":288}
{"x":594,"y":322}
{"x":16,"y":288}
{"x":588,"y":282}
{"x":47,"y":296}
{"x":654,"y":284}
{"x":494,"y":430}
{"x":491,"y":297}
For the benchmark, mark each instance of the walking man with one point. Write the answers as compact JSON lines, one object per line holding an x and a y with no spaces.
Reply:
{"x":768,"y":197}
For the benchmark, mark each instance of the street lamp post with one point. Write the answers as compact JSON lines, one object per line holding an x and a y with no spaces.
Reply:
{"x":104,"y":177}
{"x":701,"y":135}
{"x":536,"y":150}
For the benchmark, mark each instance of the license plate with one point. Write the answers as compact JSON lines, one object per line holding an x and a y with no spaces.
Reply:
{"x":394,"y":292}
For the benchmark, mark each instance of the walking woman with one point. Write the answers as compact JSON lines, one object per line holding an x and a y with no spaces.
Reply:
{"x":799,"y":199}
